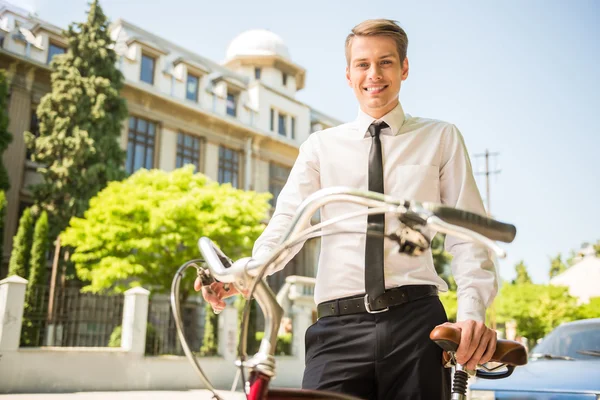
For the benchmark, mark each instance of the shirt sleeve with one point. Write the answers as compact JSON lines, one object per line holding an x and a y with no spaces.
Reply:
{"x":473,"y":266}
{"x":304,"y":179}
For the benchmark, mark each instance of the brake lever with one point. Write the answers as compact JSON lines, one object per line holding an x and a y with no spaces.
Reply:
{"x":415,"y":214}
{"x":411,"y":240}
{"x":207,"y":279}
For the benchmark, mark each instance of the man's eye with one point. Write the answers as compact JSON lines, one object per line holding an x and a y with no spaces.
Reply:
{"x":362,"y":65}
{"x":386,"y":62}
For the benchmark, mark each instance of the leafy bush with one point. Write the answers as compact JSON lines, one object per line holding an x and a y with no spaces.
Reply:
{"x":152,"y":339}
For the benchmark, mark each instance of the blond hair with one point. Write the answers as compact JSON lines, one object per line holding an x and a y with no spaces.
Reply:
{"x":379,"y":27}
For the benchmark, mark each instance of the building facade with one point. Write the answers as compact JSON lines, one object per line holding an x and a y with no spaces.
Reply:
{"x":237,"y":121}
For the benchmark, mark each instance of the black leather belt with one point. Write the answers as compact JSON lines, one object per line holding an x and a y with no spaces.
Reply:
{"x":391,"y":297}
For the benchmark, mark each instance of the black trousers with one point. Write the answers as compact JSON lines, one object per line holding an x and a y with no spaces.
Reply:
{"x":379,"y":356}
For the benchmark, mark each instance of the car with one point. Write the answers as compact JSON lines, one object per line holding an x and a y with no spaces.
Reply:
{"x":564,"y":365}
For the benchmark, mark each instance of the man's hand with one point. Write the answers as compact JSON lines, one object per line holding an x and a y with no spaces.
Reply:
{"x":477,"y":343}
{"x":215,"y":293}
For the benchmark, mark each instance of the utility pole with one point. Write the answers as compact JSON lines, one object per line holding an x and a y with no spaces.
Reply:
{"x":487,"y":174}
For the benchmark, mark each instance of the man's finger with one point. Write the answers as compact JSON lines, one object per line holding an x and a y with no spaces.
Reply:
{"x":481,"y":348}
{"x":219,"y":306}
{"x":466,"y":336}
{"x":479,"y":331}
{"x":198,"y":284}
{"x":209,"y":295}
{"x":491,"y":348}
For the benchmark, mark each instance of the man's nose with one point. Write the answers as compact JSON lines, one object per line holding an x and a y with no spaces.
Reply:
{"x":375,"y":72}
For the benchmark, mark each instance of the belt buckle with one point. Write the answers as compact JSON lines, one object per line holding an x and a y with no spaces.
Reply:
{"x":368,"y":307}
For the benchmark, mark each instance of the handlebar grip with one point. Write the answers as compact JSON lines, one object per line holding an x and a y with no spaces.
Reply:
{"x":492,"y":229}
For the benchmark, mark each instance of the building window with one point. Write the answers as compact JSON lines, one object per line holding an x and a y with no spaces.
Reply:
{"x":34,"y":128}
{"x":229,"y":166}
{"x":140,"y":144}
{"x":272,"y":120}
{"x":278,"y":176}
{"x":284,"y":79}
{"x":191,"y":88}
{"x":147,"y":72}
{"x":293,"y":128}
{"x":257,"y":72}
{"x":281,"y":126}
{"x":54,"y":50}
{"x":231,"y":106}
{"x":188,"y":150}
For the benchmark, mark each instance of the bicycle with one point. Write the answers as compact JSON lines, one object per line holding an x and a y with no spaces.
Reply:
{"x":415,"y":217}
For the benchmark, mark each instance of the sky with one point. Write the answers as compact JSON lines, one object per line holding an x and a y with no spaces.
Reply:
{"x":518,"y":78}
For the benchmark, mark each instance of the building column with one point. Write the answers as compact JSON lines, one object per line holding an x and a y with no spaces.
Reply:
{"x":248,"y":184}
{"x":19,"y":113}
{"x":211,"y":161}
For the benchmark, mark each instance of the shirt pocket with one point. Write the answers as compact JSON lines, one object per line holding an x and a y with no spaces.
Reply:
{"x":415,"y":182}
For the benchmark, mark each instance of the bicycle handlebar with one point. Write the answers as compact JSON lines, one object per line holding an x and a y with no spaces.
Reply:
{"x":452,"y":221}
{"x":485,"y":226}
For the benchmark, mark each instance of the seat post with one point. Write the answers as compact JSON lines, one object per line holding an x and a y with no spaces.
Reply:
{"x":459,"y":383}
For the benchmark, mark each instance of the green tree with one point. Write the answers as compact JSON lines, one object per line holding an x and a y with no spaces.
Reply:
{"x":442,"y":260}
{"x":2,"y":216}
{"x":450,"y":301}
{"x":597,"y":248}
{"x":210,"y":342}
{"x":537,"y":309}
{"x":5,"y":136}
{"x":80,"y":123}
{"x":30,"y":334}
{"x":590,"y":309}
{"x":140,"y":230}
{"x":21,"y":251}
{"x":522,"y":274}
{"x":557,"y":266}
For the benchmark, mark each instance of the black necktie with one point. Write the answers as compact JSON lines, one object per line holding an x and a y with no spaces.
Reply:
{"x":374,"y":278}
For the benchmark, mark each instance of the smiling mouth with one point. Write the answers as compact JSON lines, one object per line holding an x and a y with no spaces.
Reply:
{"x":375,"y":89}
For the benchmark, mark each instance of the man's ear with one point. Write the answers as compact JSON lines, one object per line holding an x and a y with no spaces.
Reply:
{"x":348,"y":76}
{"x":405,"y":69}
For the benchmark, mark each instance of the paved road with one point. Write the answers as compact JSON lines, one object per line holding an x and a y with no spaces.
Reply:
{"x":150,"y":395}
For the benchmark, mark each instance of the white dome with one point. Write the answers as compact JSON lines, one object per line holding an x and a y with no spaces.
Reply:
{"x":257,"y":42}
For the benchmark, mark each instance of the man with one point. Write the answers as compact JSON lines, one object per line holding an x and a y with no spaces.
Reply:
{"x":388,"y":354}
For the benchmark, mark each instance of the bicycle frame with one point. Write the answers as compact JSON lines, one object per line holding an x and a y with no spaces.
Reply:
{"x":248,"y":277}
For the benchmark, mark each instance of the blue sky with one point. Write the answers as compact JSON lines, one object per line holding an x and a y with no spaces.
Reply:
{"x":518,"y":78}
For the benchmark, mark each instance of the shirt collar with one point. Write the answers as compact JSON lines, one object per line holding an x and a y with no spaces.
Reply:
{"x":395,"y":119}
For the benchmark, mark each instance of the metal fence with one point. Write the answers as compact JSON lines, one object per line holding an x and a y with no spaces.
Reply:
{"x":162,"y":337}
{"x":78,"y":319}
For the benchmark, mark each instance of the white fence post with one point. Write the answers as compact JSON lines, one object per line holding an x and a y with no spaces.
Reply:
{"x":302,"y":320}
{"x":12,"y":300}
{"x":228,"y":332}
{"x":296,"y":298}
{"x":135,"y":319}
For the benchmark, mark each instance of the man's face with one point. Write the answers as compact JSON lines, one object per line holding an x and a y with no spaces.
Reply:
{"x":375,"y":73}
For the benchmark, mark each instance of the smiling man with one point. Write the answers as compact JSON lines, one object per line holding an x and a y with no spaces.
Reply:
{"x":380,"y":348}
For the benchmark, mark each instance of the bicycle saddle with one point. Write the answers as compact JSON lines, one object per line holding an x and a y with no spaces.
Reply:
{"x":304,"y":394}
{"x":507,"y":352}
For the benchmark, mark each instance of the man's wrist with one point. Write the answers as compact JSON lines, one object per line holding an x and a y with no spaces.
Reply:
{"x":470,"y":309}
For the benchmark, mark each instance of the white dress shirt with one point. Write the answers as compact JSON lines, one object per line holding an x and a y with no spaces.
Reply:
{"x":423,"y":160}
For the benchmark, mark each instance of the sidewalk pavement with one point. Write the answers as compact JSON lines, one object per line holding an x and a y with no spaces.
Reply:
{"x":127,"y":395}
